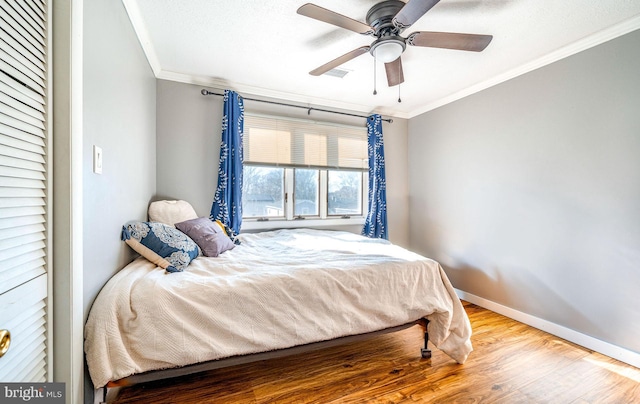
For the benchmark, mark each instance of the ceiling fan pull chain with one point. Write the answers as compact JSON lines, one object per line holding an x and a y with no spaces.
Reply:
{"x":399,"y":73}
{"x":374,"y":74}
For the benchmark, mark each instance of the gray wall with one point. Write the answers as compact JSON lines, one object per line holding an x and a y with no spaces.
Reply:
{"x":529,"y":192}
{"x":119,"y":116}
{"x":188,"y":147}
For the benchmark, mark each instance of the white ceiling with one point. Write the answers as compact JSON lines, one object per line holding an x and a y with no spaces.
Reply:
{"x":265,"y":48}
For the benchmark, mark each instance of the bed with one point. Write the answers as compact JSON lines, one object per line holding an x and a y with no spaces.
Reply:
{"x":275,"y":291}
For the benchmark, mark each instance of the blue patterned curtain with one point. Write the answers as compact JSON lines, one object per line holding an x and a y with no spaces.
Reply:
{"x":375,"y":225}
{"x":227,"y":202}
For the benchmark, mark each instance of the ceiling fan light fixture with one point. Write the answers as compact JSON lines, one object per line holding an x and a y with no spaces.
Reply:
{"x":387,"y":49}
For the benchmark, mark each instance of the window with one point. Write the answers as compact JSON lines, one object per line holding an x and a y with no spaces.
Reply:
{"x":344,"y":193}
{"x":306,"y":192}
{"x":295,"y":169}
{"x":263,"y":192}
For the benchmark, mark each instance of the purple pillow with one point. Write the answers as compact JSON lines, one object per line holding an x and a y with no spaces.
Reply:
{"x":207,"y":234}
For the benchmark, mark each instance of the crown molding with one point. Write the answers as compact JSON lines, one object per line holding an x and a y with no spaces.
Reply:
{"x":135,"y":16}
{"x":279,"y":95}
{"x":143,"y":35}
{"x":591,"y":41}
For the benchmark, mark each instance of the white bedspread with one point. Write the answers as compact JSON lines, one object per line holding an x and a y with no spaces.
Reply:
{"x":275,"y":290}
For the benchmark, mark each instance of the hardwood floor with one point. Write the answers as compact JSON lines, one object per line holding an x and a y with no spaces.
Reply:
{"x":511,"y":363}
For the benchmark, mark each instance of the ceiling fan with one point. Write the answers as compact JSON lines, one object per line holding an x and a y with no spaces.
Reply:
{"x":386,"y":21}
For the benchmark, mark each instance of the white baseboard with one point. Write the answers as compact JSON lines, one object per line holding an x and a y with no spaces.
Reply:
{"x":624,"y":355}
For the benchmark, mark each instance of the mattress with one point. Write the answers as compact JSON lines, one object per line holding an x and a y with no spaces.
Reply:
{"x":275,"y":290}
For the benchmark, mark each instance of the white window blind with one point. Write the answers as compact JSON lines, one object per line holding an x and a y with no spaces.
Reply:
{"x":22,"y":142}
{"x":288,"y":142}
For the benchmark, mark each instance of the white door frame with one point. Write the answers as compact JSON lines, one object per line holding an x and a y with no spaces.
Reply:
{"x":67,"y":270}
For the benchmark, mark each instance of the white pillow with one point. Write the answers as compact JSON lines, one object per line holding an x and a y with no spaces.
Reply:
{"x":171,"y":212}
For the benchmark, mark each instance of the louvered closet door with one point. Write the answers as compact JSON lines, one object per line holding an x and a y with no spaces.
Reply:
{"x":23,"y":189}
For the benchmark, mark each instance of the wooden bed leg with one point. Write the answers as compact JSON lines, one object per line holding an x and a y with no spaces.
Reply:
{"x":426,"y":352}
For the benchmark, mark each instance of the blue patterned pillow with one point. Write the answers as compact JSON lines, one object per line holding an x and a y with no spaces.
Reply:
{"x":163,"y":245}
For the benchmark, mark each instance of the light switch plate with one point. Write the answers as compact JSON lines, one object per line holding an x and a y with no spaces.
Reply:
{"x":97,"y":159}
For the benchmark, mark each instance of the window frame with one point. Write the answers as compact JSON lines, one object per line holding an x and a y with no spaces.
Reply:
{"x":364,"y":194}
{"x":322,"y":219}
{"x":284,"y":193}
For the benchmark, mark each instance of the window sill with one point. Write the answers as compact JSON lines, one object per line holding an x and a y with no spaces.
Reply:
{"x":251,"y":224}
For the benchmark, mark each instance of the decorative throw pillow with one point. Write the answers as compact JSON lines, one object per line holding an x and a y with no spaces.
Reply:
{"x":209,"y":236}
{"x":228,"y":231}
{"x":163,"y":245}
{"x":171,"y":212}
{"x":220,"y":225}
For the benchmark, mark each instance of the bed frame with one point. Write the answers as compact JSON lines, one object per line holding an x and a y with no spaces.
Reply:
{"x":110,"y":391}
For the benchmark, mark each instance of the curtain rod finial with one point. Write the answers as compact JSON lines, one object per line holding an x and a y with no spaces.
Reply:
{"x":204,"y":92}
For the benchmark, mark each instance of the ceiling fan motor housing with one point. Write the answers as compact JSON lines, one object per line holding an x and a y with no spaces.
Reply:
{"x":389,"y":44}
{"x":380,"y":17}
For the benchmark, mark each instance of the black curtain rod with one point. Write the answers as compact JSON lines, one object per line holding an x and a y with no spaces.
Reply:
{"x":309,"y":109}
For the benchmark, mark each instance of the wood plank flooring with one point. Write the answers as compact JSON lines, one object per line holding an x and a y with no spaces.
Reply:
{"x":511,"y":363}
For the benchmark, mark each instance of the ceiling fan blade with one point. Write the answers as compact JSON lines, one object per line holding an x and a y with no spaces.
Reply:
{"x":394,"y":72}
{"x":412,"y":11}
{"x":338,"y":61}
{"x":331,"y":17}
{"x":450,"y":40}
